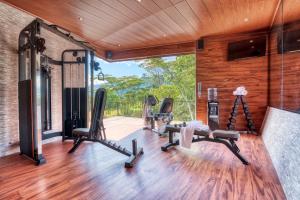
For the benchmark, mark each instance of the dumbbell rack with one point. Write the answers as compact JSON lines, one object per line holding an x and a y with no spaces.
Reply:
{"x":250,"y":124}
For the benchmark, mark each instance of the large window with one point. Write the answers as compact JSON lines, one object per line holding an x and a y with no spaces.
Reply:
{"x":129,"y":82}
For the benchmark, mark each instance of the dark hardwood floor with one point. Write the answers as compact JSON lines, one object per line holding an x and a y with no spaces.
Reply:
{"x":208,"y":171}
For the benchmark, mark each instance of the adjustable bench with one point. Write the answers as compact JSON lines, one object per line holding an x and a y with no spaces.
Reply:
{"x":227,"y":138}
{"x":96,"y":132}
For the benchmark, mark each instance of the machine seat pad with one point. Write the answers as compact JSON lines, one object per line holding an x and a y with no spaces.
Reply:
{"x":226,"y":134}
{"x":201,"y":133}
{"x":81,"y":132}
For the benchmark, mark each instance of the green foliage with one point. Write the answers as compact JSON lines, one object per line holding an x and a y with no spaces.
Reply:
{"x":164,"y":91}
{"x":181,"y":75}
{"x":163,"y":79}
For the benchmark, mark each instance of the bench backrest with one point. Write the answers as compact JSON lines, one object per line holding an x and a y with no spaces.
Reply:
{"x":98,"y":111}
{"x":166,"y":106}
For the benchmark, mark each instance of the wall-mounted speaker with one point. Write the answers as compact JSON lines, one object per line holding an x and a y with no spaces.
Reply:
{"x":109,"y":54}
{"x":200,"y":44}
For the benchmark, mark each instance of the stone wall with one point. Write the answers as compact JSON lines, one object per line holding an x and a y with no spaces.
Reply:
{"x":12,"y":22}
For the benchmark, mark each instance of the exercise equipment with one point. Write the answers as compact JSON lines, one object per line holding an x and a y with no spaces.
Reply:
{"x":250,"y":124}
{"x":100,"y":75}
{"x":78,"y":66}
{"x":164,"y":116}
{"x":35,"y":74}
{"x":31,"y":46}
{"x":75,"y":90}
{"x":96,"y":132}
{"x":226,"y":138}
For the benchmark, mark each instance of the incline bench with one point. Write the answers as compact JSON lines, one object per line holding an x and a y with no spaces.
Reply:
{"x":96,"y":132}
{"x":227,"y":138}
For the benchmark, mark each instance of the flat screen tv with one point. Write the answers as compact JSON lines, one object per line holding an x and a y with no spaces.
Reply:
{"x":254,"y":47}
{"x":290,"y":41}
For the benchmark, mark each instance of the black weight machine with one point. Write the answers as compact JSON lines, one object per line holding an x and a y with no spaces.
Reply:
{"x":75,"y":85}
{"x":78,"y":68}
{"x":34,"y":91}
{"x":35,"y":82}
{"x":164,"y":114}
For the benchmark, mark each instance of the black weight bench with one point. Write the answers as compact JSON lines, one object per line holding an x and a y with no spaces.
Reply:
{"x":227,"y":138}
{"x":96,"y":132}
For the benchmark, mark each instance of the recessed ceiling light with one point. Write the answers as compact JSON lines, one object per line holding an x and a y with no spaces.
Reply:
{"x":251,"y":41}
{"x":80,"y":18}
{"x":139,"y":0}
{"x":252,"y":47}
{"x":246,"y":19}
{"x":119,"y":45}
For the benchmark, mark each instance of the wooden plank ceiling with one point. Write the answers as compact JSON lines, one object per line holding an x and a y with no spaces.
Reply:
{"x":131,"y":24}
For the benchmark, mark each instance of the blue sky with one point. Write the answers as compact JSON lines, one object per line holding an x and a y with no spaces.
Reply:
{"x":125,"y":68}
{"x":118,"y":69}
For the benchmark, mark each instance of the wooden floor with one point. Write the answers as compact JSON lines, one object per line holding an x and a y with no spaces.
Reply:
{"x":208,"y":171}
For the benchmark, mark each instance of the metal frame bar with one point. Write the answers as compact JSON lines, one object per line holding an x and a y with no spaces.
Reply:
{"x":51,"y":61}
{"x":51,"y":135}
{"x":27,"y":38}
{"x":67,"y":36}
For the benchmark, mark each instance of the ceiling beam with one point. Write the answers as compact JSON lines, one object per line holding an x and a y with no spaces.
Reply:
{"x":158,"y":51}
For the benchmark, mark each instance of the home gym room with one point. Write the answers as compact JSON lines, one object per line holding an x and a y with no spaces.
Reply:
{"x":54,"y":137}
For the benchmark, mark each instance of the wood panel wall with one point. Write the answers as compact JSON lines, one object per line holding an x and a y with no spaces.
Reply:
{"x":213,"y":70}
